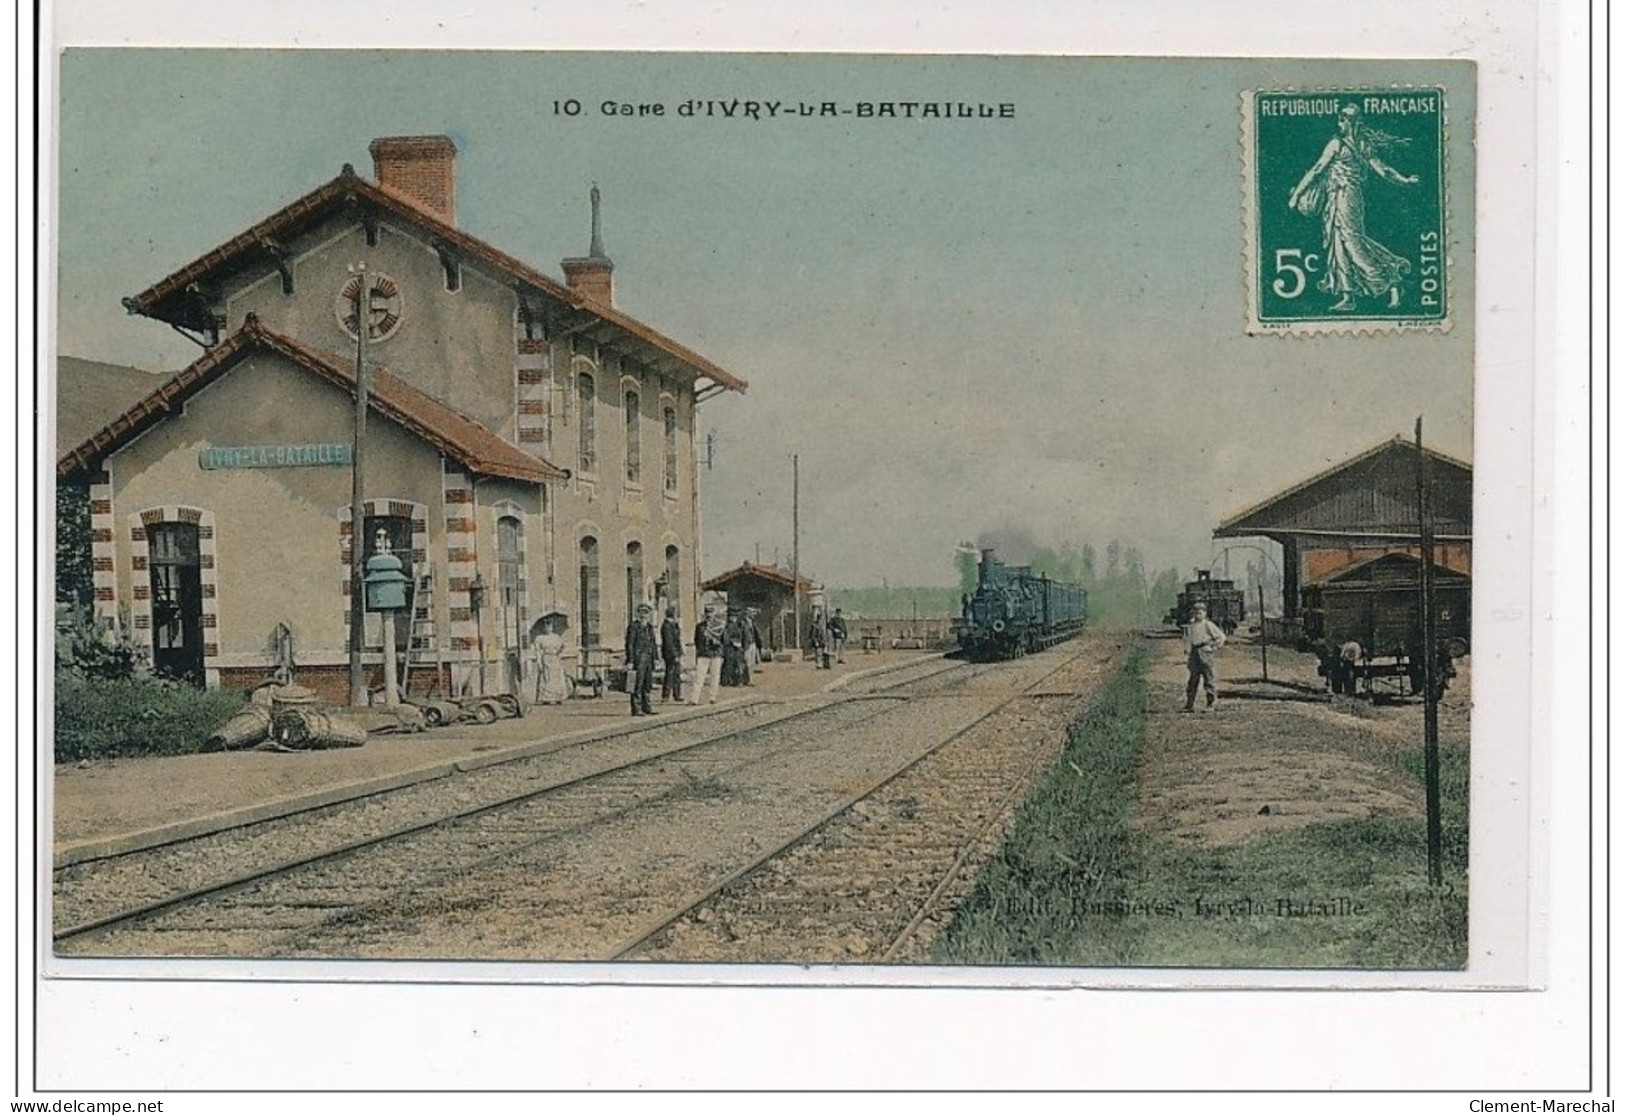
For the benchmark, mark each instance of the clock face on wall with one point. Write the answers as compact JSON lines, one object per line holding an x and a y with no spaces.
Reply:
{"x":384,"y":306}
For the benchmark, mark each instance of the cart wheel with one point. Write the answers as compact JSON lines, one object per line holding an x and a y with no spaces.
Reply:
{"x":485,"y":712}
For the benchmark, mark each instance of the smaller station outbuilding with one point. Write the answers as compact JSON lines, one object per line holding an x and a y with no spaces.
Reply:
{"x":772,"y":592}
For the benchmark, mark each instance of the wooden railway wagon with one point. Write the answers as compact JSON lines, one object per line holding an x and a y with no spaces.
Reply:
{"x":1226,"y":604}
{"x":1014,"y":611}
{"x":1365,"y":624}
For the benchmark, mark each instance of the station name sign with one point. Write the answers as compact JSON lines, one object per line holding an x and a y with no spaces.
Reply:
{"x":274,"y":456}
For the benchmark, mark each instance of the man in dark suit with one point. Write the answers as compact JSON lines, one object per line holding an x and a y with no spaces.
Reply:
{"x":640,"y":660}
{"x":671,"y":654}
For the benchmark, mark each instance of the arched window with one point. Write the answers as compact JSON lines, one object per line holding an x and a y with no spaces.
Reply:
{"x":591,"y":624}
{"x":585,"y":394}
{"x":634,"y":578}
{"x":674,"y":574}
{"x":669,"y":419}
{"x":634,"y":450}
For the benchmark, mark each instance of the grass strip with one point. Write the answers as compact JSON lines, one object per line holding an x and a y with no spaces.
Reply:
{"x":1076,"y":883}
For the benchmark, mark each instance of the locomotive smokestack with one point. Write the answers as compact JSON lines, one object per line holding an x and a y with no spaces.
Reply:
{"x":983,"y":568}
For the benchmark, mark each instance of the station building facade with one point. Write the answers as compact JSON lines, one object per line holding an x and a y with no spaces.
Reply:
{"x":530,"y":448}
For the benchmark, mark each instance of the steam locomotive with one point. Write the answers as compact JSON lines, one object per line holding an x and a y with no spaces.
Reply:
{"x":1014,"y":611}
{"x":1226,"y":604}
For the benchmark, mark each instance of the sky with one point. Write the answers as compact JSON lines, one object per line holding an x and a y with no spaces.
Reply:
{"x":963,"y":328}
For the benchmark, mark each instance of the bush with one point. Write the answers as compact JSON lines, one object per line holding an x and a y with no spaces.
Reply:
{"x":86,"y":649}
{"x":107,"y":706}
{"x":101,"y":718}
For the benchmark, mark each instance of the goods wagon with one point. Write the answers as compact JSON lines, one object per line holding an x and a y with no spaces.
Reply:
{"x":1365,"y":624}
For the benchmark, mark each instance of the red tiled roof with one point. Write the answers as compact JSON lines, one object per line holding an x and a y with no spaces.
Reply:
{"x":451,"y":432}
{"x":159,"y":300}
{"x":766,"y":572}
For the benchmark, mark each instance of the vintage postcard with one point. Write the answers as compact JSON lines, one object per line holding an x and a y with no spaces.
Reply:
{"x":853,"y":518}
{"x":897,"y":491}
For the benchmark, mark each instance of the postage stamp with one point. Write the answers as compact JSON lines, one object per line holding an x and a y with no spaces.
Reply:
{"x":1345,"y":210}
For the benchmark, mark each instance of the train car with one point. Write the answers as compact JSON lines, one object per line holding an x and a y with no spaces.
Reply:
{"x":1015,"y":611}
{"x":1365,"y":625}
{"x":1226,"y":604}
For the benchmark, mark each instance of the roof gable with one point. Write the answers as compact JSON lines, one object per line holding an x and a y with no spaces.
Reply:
{"x":1393,"y":568}
{"x":1372,"y":494}
{"x":452,"y":433}
{"x":770,"y":573}
{"x":175,"y":299}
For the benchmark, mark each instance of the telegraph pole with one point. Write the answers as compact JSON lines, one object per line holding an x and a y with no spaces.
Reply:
{"x":795,"y":538}
{"x":1430,"y":700}
{"x":363,"y":393}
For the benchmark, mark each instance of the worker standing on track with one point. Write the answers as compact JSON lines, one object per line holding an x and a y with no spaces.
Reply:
{"x":1203,"y":638}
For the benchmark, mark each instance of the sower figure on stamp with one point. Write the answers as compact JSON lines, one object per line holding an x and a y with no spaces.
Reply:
{"x":1203,"y":638}
{"x":671,"y":654}
{"x":640,"y":660}
{"x":1335,"y":188}
{"x":707,"y":654}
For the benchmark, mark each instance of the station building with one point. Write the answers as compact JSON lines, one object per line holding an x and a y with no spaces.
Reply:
{"x":1361,"y":509}
{"x":530,"y":448}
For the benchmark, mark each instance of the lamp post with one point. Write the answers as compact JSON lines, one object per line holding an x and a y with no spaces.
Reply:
{"x":795,"y":540}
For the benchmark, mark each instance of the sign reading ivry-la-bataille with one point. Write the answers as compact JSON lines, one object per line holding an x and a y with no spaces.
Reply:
{"x":274,"y":456}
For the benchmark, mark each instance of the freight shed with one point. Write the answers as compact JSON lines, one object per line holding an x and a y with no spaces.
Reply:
{"x":1362,"y":509}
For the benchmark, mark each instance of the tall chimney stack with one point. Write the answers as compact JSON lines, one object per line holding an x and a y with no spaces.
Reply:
{"x":593,"y":274}
{"x":423,"y":168}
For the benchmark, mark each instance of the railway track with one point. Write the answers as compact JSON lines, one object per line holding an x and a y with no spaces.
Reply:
{"x":539,"y":859}
{"x":874,"y":881}
{"x":97,"y":897}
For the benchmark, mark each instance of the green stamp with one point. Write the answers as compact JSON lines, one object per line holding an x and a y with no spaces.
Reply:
{"x":1345,"y":214}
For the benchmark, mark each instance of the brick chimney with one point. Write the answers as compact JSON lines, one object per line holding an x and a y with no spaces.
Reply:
{"x":424,"y":168}
{"x":593,"y":274}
